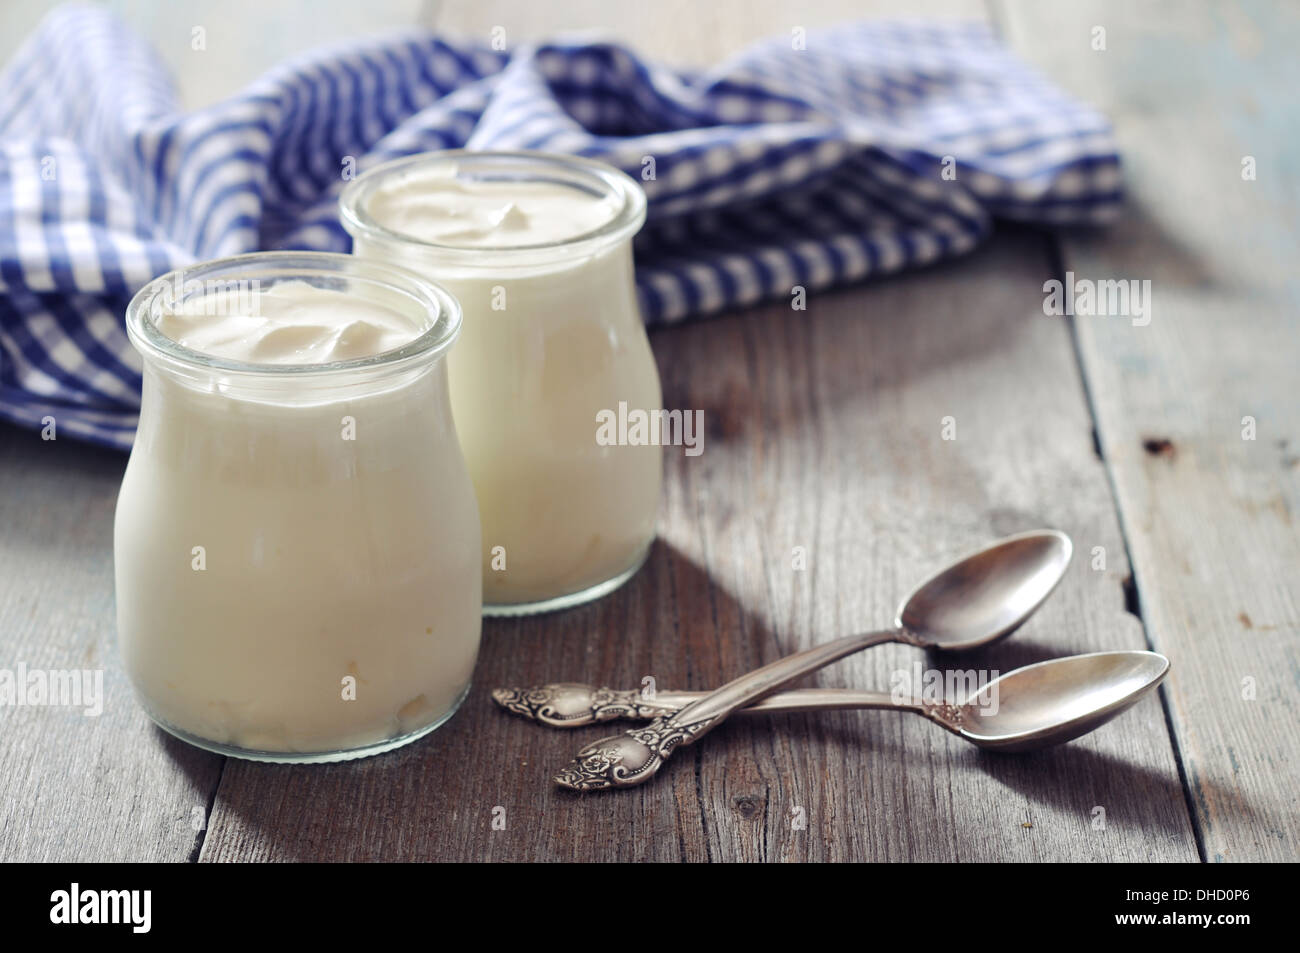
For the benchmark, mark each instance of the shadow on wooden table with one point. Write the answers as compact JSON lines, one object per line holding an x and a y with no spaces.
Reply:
{"x":1071,"y":776}
{"x":1070,"y":780}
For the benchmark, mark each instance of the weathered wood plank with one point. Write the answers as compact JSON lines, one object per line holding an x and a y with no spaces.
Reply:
{"x":1209,"y":516}
{"x":214,"y":47}
{"x":72,"y":787}
{"x":679,"y":32}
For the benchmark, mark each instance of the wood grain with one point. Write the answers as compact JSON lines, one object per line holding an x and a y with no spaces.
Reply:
{"x":1210,"y":516}
{"x":72,"y":787}
{"x":684,"y":33}
{"x":213,"y":48}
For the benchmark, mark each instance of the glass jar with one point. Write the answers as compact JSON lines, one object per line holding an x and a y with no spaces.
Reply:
{"x":297,"y":545}
{"x":553,"y":345}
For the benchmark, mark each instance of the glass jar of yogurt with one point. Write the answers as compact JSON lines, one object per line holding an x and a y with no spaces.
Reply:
{"x":296,"y":542}
{"x":538,"y":250}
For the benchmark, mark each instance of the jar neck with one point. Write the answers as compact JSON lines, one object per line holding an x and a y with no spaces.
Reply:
{"x":289,"y":387}
{"x":444,"y":265}
{"x":266,"y":435}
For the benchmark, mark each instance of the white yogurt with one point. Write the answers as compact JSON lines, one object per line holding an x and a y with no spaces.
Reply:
{"x":297,"y":556}
{"x":291,"y":322}
{"x":552,"y":337}
{"x":434,"y":205}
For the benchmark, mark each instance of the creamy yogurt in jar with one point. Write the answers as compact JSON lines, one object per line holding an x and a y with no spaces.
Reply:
{"x":538,"y":250}
{"x":296,"y":541}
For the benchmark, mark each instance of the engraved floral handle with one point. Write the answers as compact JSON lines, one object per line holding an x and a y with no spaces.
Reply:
{"x":635,"y":756}
{"x":575,"y":705}
{"x":572,"y":705}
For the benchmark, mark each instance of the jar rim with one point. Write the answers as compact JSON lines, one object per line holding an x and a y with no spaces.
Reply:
{"x":592,"y":173}
{"x":167,"y":290}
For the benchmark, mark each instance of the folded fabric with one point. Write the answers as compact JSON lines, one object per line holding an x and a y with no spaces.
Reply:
{"x":860,"y":151}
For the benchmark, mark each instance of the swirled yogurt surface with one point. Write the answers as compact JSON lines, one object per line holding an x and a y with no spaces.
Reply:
{"x":289,"y":322}
{"x":434,"y":205}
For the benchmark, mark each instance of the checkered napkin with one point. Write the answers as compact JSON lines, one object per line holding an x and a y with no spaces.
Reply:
{"x":805,"y":161}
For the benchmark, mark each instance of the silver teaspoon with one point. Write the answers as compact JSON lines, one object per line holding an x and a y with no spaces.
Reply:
{"x":973,"y":602}
{"x":1034,"y":707}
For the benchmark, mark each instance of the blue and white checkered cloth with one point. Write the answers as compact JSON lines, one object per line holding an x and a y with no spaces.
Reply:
{"x":873,"y":148}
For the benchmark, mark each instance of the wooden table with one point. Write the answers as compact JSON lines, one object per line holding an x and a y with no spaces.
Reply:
{"x":824,"y":432}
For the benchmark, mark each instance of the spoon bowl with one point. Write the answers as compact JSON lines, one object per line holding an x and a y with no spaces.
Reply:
{"x":1052,"y":702}
{"x":988,"y":594}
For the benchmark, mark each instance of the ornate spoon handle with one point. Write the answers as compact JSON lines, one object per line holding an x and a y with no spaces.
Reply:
{"x":574,"y":705}
{"x":634,"y":756}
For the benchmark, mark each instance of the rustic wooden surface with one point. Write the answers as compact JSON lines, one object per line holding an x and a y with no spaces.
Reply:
{"x":1212,"y":519}
{"x":824,"y":431}
{"x":71,"y":786}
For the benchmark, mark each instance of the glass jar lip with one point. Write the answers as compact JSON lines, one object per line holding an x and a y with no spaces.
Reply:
{"x":443,"y":308}
{"x":357,"y":220}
